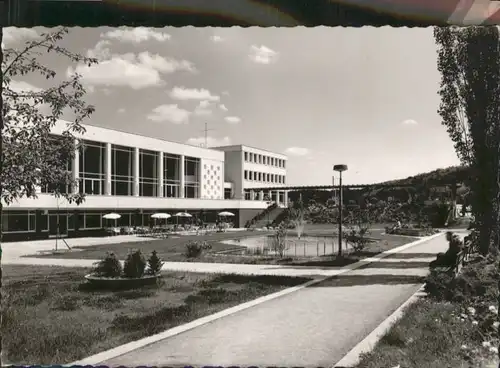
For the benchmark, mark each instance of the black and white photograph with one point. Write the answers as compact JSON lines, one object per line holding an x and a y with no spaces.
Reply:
{"x":253,"y":197}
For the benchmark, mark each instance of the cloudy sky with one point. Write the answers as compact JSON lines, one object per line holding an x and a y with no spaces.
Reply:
{"x":365,"y":97}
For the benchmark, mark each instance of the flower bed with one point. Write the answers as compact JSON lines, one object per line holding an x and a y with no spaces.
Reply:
{"x":136,"y":272}
{"x":121,"y":283}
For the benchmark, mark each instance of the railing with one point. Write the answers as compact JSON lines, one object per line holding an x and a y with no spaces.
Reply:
{"x":261,"y":215}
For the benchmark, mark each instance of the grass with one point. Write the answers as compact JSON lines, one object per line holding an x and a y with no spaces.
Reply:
{"x":168,"y":249}
{"x":438,"y":331}
{"x":49,"y":318}
{"x":428,"y":335}
{"x":173,"y":249}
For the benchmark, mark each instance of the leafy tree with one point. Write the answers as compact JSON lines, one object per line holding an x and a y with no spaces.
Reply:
{"x":30,"y":157}
{"x":468,"y":60}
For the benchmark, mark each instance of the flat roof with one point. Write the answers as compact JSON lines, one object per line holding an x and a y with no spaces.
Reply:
{"x":241,"y":147}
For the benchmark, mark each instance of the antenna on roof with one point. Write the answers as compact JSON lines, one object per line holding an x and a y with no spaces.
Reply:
{"x":206,"y":130}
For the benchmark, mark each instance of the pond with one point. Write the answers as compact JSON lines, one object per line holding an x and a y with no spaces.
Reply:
{"x":305,"y":246}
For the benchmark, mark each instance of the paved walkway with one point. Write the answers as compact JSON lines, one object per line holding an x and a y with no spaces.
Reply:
{"x":312,"y":327}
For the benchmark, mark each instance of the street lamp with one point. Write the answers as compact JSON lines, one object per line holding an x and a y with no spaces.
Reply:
{"x":340,"y":169}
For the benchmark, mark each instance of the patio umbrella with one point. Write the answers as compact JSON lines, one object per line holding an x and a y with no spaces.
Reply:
{"x":225,"y":214}
{"x":182,"y":214}
{"x":160,"y":215}
{"x":112,"y":216}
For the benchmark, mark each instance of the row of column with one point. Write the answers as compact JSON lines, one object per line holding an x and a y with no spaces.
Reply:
{"x":260,"y":196}
{"x":135,"y":172}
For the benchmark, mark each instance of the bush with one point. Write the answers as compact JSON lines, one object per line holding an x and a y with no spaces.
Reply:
{"x":135,"y":265}
{"x":154,"y":264}
{"x":195,"y":248}
{"x":110,"y":266}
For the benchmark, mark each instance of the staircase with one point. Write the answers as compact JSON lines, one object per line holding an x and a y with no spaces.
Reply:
{"x":269,"y":217}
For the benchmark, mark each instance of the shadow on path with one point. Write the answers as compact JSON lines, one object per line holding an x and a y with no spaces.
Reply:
{"x":359,"y":280}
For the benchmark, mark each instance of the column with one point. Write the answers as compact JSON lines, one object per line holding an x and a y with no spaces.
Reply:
{"x":181,"y":176}
{"x":261,"y":195}
{"x":159,"y":173}
{"x":136,"y":172}
{"x":76,"y":167}
{"x":107,"y":170}
{"x":286,"y":198}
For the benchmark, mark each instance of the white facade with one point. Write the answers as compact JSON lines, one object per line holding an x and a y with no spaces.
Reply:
{"x":249,"y":167}
{"x":209,"y":178}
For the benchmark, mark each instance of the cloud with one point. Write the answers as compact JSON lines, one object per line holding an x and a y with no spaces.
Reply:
{"x":232,"y":119}
{"x":165,"y":65}
{"x":100,"y":51}
{"x":223,"y":107}
{"x":211,"y":141}
{"x":297,"y":151}
{"x":203,"y":108}
{"x":22,"y":86}
{"x":135,"y":71}
{"x":182,"y":93}
{"x":136,"y":35}
{"x":13,"y":35}
{"x":121,"y":110}
{"x":169,"y":113}
{"x":262,"y":55}
{"x":409,"y":122}
{"x":215,"y":38}
{"x":225,"y":93}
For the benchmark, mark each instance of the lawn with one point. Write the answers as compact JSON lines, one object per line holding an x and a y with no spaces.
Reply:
{"x":169,"y":249}
{"x":454,"y":326}
{"x":431,"y":335}
{"x":50,"y":318}
{"x":173,"y":249}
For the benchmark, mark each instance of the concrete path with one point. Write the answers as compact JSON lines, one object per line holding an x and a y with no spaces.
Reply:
{"x":15,"y":250}
{"x":312,"y":327}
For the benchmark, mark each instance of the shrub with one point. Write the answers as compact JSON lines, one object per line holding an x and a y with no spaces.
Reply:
{"x":194,"y":249}
{"x":135,"y":265}
{"x":110,"y":266}
{"x":154,"y":264}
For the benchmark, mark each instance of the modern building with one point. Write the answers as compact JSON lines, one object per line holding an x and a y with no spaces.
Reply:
{"x":249,"y":167}
{"x":136,"y":176}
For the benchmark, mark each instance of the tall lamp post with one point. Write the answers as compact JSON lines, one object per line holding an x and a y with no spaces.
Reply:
{"x":340,"y":169}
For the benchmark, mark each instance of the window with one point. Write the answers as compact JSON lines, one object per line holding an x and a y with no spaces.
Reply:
{"x":260,"y":159}
{"x":122,"y":177}
{"x":272,"y":161}
{"x":191,"y":181}
{"x":267,"y":178}
{"x":92,"y":220}
{"x":255,"y":176}
{"x":246,"y":174}
{"x":171,"y":176}
{"x":92,"y":163}
{"x":284,"y":179}
{"x":246,"y":156}
{"x":18,"y":221}
{"x":260,"y":176}
{"x":272,"y":178}
{"x":284,"y":164}
{"x":148,"y":173}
